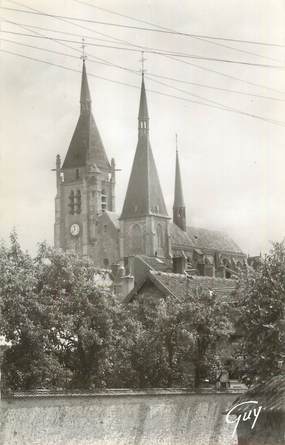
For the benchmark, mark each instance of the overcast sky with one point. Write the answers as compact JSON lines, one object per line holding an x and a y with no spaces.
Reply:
{"x":232,"y":164}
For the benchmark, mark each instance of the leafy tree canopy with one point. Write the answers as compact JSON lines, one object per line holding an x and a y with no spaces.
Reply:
{"x":261,"y":299}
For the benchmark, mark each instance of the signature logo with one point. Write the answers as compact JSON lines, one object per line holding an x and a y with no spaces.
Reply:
{"x":249,"y":414}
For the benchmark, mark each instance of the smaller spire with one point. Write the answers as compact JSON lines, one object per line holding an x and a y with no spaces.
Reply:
{"x":179,"y":210}
{"x":178,"y":195}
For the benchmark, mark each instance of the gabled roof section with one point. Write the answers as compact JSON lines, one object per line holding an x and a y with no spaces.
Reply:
{"x":113,"y":217}
{"x":178,"y":192}
{"x":202,"y":239}
{"x":179,"y":285}
{"x":212,"y":239}
{"x":86,"y":146}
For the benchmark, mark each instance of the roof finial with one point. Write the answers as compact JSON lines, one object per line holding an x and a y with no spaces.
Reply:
{"x":83,"y":56}
{"x":176,"y":142}
{"x":143,"y":59}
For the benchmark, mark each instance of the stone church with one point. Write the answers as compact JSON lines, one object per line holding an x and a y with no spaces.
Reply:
{"x":142,"y":236}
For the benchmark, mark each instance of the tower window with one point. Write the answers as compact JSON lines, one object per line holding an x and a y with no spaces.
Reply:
{"x":71,"y":203}
{"x":77,"y":173}
{"x":103,"y":200}
{"x":136,"y":239}
{"x":78,"y":202}
{"x":159,"y":234}
{"x":105,"y":228}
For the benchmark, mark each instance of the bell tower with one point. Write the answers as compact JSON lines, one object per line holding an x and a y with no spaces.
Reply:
{"x":85,"y":182}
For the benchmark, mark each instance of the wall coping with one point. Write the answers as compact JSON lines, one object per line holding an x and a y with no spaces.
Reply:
{"x":39,"y":394}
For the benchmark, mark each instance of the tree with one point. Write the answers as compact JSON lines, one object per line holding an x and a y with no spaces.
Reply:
{"x":261,"y":348}
{"x":63,"y":327}
{"x":24,"y":317}
{"x":181,"y":340}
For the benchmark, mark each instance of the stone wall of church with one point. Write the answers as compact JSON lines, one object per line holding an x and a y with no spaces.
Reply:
{"x":107,"y":242}
{"x":144,"y":236}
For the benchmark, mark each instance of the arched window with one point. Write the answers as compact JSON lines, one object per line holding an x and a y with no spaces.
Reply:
{"x":77,"y":173}
{"x":159,"y":235}
{"x":136,"y":239}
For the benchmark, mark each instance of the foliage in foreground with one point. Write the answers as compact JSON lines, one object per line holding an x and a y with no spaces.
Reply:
{"x":261,"y":297}
{"x":68,"y":332}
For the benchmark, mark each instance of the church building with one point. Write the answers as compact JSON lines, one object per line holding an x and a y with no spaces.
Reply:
{"x":142,"y":236}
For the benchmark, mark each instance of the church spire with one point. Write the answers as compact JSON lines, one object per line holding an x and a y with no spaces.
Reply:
{"x":143,"y":116}
{"x":144,"y":195}
{"x":179,"y":210}
{"x":86,"y":146}
{"x":85,"y":97}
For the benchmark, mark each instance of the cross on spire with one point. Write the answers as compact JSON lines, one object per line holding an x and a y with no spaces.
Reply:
{"x":142,"y":60}
{"x":83,"y":46}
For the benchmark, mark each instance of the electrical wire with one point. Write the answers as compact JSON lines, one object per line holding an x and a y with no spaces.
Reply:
{"x":137,"y":28}
{"x":224,"y":108}
{"x":154,"y":51}
{"x":196,"y":37}
{"x":152,"y":76}
{"x":121,"y":41}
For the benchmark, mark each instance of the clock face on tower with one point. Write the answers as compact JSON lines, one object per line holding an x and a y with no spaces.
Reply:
{"x":74,"y":229}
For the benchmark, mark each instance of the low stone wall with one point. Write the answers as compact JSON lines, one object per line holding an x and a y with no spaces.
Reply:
{"x":117,"y":418}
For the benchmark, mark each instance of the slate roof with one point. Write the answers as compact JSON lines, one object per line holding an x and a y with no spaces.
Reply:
{"x":157,"y":264}
{"x":202,"y":239}
{"x":114,"y":217}
{"x":178,"y":285}
{"x":144,"y":195}
{"x":86,"y":146}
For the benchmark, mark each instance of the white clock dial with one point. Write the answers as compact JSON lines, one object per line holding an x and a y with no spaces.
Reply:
{"x":74,"y":229}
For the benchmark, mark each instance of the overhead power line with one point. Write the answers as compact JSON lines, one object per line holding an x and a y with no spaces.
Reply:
{"x":223,"y":108}
{"x":43,"y":28}
{"x":121,"y":41}
{"x":119,"y":25}
{"x":153,"y":51}
{"x":196,"y":37}
{"x":150,"y":75}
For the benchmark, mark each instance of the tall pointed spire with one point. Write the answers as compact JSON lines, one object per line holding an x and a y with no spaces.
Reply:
{"x":143,"y":109}
{"x":179,"y":210}
{"x":85,"y":97}
{"x":143,"y":116}
{"x":86,"y":146}
{"x":144,"y":195}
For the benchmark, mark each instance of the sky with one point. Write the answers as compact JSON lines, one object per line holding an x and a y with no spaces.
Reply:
{"x":232,"y":164}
